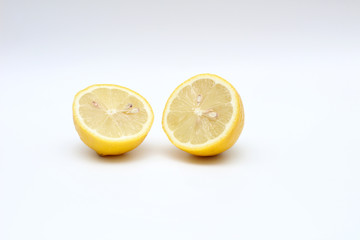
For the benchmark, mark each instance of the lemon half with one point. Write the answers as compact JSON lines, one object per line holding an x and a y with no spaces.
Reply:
{"x":111,"y":119}
{"x":204,"y":115}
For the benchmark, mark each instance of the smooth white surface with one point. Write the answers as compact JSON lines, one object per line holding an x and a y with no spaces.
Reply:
{"x":293,"y":174}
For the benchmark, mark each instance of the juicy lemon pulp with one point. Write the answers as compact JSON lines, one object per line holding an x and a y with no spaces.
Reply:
{"x":204,"y":115}
{"x":112,"y":112}
{"x":111,"y":119}
{"x":200,"y":112}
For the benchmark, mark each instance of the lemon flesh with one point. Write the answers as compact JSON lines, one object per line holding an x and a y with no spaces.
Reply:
{"x":204,"y":115}
{"x":111,"y":119}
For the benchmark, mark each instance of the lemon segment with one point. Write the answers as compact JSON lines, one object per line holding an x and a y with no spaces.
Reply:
{"x":111,"y":119}
{"x":204,"y":115}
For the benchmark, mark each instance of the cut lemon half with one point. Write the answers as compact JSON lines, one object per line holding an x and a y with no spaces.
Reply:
{"x":111,"y":119}
{"x":204,"y":115}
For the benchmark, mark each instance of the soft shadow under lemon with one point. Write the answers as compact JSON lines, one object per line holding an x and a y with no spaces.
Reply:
{"x":138,"y":153}
{"x":231,"y":156}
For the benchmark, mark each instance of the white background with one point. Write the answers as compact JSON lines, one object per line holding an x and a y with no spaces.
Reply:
{"x":293,"y":174}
